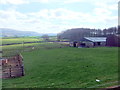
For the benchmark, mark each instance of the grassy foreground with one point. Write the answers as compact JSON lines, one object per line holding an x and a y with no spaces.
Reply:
{"x":67,"y":68}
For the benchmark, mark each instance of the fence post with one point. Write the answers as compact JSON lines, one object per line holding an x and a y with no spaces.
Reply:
{"x":22,"y":70}
{"x":10,"y":71}
{"x":18,"y":56}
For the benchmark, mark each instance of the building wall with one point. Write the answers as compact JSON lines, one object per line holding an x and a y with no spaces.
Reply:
{"x":113,"y":41}
{"x":87,"y":44}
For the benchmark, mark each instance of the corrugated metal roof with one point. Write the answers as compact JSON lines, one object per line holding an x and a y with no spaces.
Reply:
{"x":96,"y":39}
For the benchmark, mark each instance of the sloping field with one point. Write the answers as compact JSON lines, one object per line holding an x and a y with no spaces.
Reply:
{"x":68,"y":68}
{"x":11,"y":50}
{"x":19,"y":40}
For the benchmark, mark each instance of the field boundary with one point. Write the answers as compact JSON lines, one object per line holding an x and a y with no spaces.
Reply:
{"x":30,"y":42}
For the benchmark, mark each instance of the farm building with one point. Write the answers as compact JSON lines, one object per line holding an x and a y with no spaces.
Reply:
{"x":89,"y":42}
{"x":113,"y":41}
{"x":73,"y":44}
{"x":94,"y":41}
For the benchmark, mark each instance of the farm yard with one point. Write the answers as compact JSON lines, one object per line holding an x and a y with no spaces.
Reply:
{"x":54,"y":65}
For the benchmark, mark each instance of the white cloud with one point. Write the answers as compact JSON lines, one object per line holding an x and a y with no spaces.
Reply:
{"x":113,"y":6}
{"x":89,"y":1}
{"x":41,"y":1}
{"x":55,"y":20}
{"x":14,"y":2}
{"x":102,"y":12}
{"x":60,"y":14}
{"x":72,"y":1}
{"x":11,"y":19}
{"x":16,"y":20}
{"x":58,"y":19}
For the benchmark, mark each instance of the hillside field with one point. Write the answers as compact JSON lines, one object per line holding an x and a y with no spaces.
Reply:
{"x":19,"y":40}
{"x":9,"y":40}
{"x":67,"y":67}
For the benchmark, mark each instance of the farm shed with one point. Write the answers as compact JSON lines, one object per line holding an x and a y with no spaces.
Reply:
{"x":89,"y":42}
{"x":12,"y":67}
{"x":73,"y":44}
{"x":113,"y":41}
{"x":94,"y":41}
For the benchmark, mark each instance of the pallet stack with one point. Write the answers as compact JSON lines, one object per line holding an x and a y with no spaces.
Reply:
{"x":12,"y":67}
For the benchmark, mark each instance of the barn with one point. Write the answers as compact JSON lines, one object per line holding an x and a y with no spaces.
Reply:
{"x":89,"y":42}
{"x":94,"y":41}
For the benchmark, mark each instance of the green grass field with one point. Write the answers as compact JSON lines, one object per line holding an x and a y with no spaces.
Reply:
{"x":11,"y":50}
{"x":19,"y":40}
{"x":67,"y":68}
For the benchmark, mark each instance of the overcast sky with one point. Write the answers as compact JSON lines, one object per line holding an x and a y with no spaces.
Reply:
{"x":54,"y":16}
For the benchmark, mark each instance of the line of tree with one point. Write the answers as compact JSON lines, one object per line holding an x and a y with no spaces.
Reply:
{"x":79,"y":33}
{"x":45,"y":37}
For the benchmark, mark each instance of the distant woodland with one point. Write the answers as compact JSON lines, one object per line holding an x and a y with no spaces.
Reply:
{"x":79,"y":33}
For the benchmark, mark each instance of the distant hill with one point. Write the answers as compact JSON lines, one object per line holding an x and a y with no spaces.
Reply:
{"x":12,"y":33}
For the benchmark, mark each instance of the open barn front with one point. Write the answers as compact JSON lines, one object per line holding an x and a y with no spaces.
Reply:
{"x":95,"y":41}
{"x":89,"y":42}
